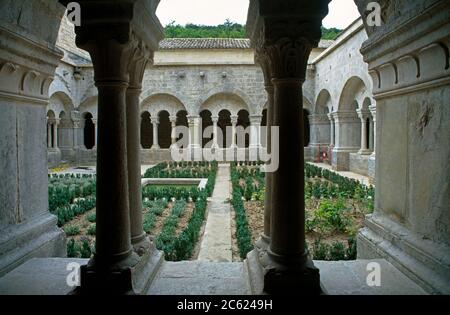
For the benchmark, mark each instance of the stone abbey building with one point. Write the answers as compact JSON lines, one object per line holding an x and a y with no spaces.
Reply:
{"x":375,"y":101}
{"x":198,"y":83}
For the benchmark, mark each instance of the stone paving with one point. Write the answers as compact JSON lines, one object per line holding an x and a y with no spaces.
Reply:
{"x":216,"y":244}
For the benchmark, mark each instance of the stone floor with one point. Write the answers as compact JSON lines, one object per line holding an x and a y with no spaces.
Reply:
{"x":49,"y":276}
{"x":216,"y":243}
{"x":363,"y":179}
{"x":200,"y":278}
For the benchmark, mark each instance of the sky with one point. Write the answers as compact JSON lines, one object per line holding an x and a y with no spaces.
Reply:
{"x":214,"y":12}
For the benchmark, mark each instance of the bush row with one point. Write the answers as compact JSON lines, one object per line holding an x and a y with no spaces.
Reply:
{"x":334,"y":252}
{"x":69,"y":212}
{"x":243,"y":234}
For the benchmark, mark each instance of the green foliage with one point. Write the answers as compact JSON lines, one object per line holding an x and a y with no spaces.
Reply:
{"x":243,"y":234}
{"x":226,"y":30}
{"x":72,"y":249}
{"x":334,"y":252}
{"x":166,"y":238}
{"x":69,"y":212}
{"x":91,"y":217}
{"x":320,"y":250}
{"x":330,"y":216}
{"x":91,"y":229}
{"x":72,"y":230}
{"x":85,"y":250}
{"x":337,"y":251}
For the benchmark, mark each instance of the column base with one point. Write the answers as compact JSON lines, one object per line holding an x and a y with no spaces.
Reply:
{"x":269,"y":277}
{"x":365,"y":152}
{"x":155,"y":147}
{"x":129,"y":280}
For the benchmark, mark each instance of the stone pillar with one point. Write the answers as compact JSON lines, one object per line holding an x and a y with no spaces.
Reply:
{"x":286,"y":36}
{"x":373,"y":111}
{"x":215,"y":120}
{"x":363,"y":115}
{"x":173,"y":121}
{"x":137,"y":66}
{"x":28,"y":59}
{"x":330,"y":117}
{"x":155,"y":123}
{"x":55,"y":133}
{"x":95,"y":122}
{"x":320,"y":134}
{"x":49,"y":134}
{"x":234,"y":120}
{"x":255,"y":143}
{"x":194,"y":137}
{"x":347,"y":125}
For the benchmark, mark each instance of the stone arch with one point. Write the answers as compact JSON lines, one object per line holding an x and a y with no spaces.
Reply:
{"x":158,"y":102}
{"x":323,"y":103}
{"x":217,"y":102}
{"x":90,"y":105}
{"x":354,"y":90}
{"x":59,"y":102}
{"x":243,"y":120}
{"x":236,"y":94}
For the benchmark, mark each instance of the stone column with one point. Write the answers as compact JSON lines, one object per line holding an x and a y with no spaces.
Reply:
{"x":234,"y":120}
{"x":286,"y":35}
{"x":255,"y":143}
{"x":373,"y":111}
{"x":194,"y":137}
{"x":137,"y":66}
{"x":55,"y":133}
{"x":215,"y":120}
{"x":173,"y":121}
{"x":95,"y":122}
{"x":347,"y":125}
{"x":155,"y":122}
{"x":330,"y":117}
{"x":49,"y":134}
{"x":111,"y":51}
{"x":363,"y":115}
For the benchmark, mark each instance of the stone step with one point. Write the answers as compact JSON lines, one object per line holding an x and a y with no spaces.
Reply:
{"x":200,"y":278}
{"x":350,"y":278}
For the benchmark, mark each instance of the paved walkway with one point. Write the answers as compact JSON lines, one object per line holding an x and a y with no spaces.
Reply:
{"x":216,"y":244}
{"x":363,"y":179}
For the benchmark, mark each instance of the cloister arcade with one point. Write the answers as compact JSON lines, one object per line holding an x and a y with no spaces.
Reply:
{"x":376,"y":99}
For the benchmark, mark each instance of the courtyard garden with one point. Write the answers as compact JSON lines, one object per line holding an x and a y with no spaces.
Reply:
{"x":335,"y":211}
{"x":172,"y":214}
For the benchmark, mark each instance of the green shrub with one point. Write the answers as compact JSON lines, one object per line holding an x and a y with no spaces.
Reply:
{"x":320,"y":250}
{"x":351,"y":252}
{"x":91,"y":229}
{"x":337,"y":252}
{"x":85,"y":250}
{"x":91,"y":217}
{"x":72,"y":249}
{"x":72,"y":230}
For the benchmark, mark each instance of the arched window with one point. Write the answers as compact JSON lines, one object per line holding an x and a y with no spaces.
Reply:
{"x":164,"y":130}
{"x":224,"y":122}
{"x":89,"y":131}
{"x":206,"y":122}
{"x":146,"y":131}
{"x":244,"y":122}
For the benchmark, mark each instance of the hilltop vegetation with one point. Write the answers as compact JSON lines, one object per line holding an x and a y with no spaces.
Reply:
{"x":226,"y":30}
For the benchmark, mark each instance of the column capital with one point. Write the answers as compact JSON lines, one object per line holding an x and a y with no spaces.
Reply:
{"x":95,"y":121}
{"x":173,"y":119}
{"x":234,"y":120}
{"x":319,"y":119}
{"x":373,"y":111}
{"x":154,"y":120}
{"x":345,"y":116}
{"x":215,"y":119}
{"x":255,"y":119}
{"x":283,"y":35}
{"x":363,"y":114}
{"x":330,"y":117}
